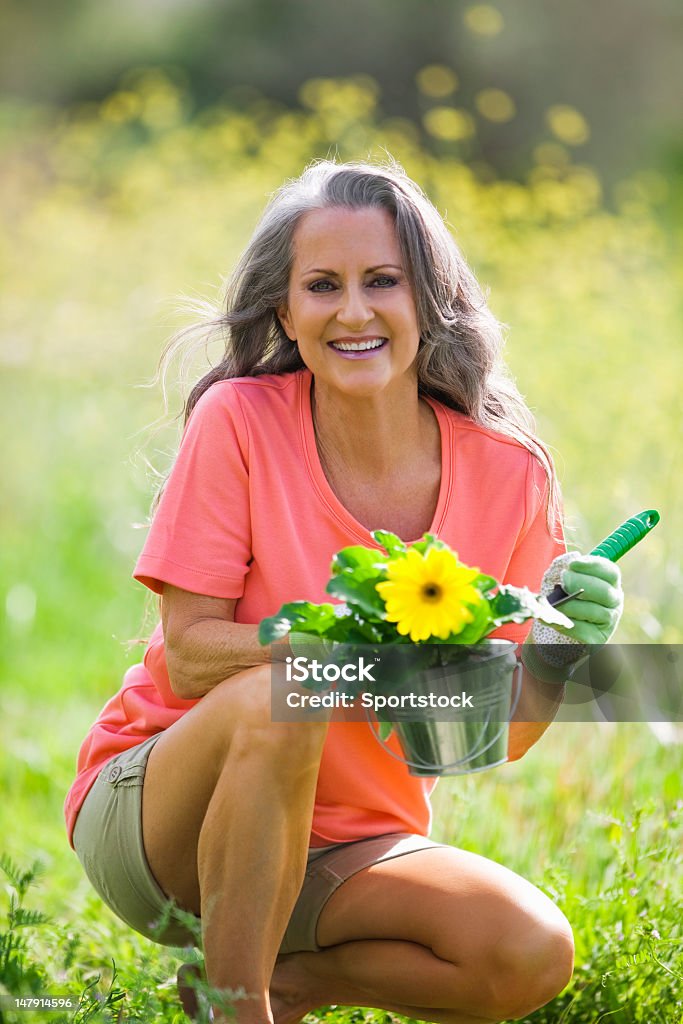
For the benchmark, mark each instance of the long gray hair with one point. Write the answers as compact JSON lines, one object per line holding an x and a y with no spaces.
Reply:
{"x":459,"y":360}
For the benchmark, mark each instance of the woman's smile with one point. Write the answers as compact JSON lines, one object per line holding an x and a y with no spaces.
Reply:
{"x":358,"y":348}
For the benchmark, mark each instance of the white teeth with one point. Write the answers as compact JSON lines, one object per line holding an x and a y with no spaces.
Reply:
{"x":358,"y":346}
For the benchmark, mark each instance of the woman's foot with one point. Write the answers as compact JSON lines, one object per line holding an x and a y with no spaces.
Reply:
{"x":288,"y":998}
{"x":186,"y":993}
{"x":292,"y":993}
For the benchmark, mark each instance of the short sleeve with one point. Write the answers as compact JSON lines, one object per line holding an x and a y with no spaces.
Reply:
{"x":200,"y":536}
{"x":537,"y":545}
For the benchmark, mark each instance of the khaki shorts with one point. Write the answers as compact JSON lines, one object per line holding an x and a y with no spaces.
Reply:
{"x":108,"y":843}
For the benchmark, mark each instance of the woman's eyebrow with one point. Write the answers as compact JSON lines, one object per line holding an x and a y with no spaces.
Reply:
{"x":333,"y":273}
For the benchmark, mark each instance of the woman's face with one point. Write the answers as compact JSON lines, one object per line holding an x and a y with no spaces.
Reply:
{"x":350,"y":306}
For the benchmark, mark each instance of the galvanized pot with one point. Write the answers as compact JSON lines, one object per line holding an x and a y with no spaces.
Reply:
{"x":438,"y":741}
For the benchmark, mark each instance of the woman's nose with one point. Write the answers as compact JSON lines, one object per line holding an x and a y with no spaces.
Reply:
{"x":355,"y":309}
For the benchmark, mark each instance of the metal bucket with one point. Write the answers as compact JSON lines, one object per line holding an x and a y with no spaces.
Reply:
{"x":473,"y":739}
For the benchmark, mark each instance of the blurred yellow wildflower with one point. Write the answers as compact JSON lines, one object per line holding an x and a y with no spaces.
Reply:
{"x":551,"y":154}
{"x":484,"y":19}
{"x":120,"y":107}
{"x":448,"y":123}
{"x":436,"y":80}
{"x":568,"y":125}
{"x":355,"y":96}
{"x":495,"y":105}
{"x":428,"y":595}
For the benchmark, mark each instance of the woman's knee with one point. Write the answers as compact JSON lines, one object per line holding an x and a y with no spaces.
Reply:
{"x":530,"y":966}
{"x":245,"y":702}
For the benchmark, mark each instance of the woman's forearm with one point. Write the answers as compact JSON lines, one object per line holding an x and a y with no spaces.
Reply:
{"x":538,"y":704}
{"x":209,"y":651}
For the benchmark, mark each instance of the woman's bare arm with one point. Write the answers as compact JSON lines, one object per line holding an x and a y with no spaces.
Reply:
{"x":538,"y":704}
{"x":203,"y":643}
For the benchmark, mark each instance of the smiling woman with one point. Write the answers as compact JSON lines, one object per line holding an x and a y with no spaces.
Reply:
{"x":361,"y":388}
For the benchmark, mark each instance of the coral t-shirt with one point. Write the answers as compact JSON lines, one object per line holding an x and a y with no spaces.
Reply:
{"x":247,"y":513}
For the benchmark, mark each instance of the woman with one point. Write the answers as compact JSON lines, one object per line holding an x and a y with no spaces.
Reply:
{"x":361,"y":388}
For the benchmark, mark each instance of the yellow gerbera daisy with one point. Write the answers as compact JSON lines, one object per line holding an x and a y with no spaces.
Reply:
{"x":427,"y":595}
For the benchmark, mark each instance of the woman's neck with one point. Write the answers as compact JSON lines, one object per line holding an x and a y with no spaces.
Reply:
{"x":369,"y":437}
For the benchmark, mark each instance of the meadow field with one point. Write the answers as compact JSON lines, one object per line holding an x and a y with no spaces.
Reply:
{"x":115,"y":211}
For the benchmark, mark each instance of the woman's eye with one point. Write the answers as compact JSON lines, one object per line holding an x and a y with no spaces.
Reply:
{"x":386,"y":279}
{"x":314,"y":287}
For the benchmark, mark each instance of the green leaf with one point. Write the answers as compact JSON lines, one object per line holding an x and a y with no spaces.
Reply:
{"x":481,"y":625}
{"x":390,"y":542}
{"x":23,"y":917}
{"x":21,"y":880}
{"x":385,"y":730}
{"x":484,"y":584}
{"x":307,"y":617}
{"x":517,"y":604}
{"x":429,"y":540}
{"x":359,"y":562}
{"x":507,"y":606}
{"x":353,"y":629}
{"x":357,"y":635}
{"x":360,"y":594}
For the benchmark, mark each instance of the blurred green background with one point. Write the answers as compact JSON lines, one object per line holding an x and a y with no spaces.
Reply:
{"x":139,"y":144}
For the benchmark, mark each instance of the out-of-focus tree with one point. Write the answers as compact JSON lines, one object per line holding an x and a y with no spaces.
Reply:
{"x":599,"y":81}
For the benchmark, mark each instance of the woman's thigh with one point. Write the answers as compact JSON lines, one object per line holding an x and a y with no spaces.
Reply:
{"x":212,"y":745}
{"x":459,"y":904}
{"x":182,"y":772}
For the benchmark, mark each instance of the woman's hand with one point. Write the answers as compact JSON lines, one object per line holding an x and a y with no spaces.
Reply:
{"x":597,"y":611}
{"x":551,"y":653}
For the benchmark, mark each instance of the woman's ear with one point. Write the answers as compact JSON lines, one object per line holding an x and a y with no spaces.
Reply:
{"x":285,"y":320}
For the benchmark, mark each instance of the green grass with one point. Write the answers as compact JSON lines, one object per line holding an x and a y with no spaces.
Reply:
{"x":107,"y":222}
{"x":592,"y":815}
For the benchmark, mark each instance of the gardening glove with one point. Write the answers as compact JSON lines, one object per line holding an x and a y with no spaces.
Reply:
{"x":552,"y":653}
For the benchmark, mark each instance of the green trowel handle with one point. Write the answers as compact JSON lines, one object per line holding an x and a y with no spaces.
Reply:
{"x":627,"y":535}
{"x":617,"y":544}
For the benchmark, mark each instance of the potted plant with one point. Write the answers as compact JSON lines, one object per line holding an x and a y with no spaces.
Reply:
{"x":425,"y":619}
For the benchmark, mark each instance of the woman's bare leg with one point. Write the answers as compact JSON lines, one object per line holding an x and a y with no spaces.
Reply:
{"x":301,"y":984}
{"x":439,"y":935}
{"x":442,"y":935}
{"x":298,"y":986}
{"x":227,"y":806}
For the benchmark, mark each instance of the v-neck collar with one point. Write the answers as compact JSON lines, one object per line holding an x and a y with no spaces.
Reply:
{"x":327,"y":496}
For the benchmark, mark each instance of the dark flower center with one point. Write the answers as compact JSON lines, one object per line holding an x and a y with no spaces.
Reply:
{"x":431,"y":592}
